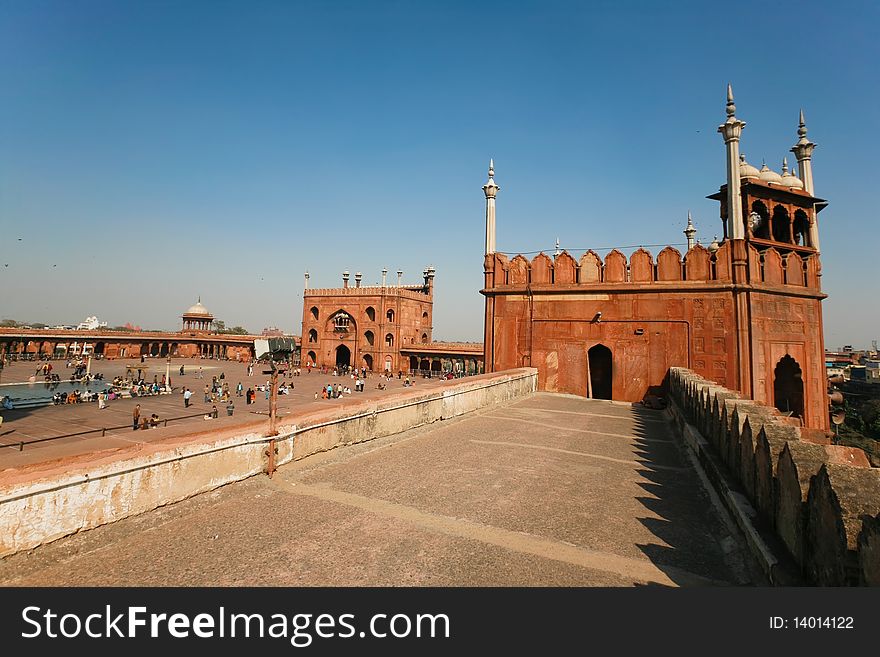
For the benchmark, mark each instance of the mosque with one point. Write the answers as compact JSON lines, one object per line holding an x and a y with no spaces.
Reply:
{"x":745,"y":312}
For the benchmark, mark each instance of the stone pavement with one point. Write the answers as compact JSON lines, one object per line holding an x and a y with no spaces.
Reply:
{"x":548,"y":490}
{"x":47,"y":421}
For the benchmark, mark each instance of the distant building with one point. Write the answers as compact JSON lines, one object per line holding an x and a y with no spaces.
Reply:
{"x":380,"y":327}
{"x":91,"y":324}
{"x":272,"y":332}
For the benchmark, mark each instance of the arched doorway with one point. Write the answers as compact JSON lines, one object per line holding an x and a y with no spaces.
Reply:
{"x":368,"y":362}
{"x":413,"y":363}
{"x":601,"y":370}
{"x":312,"y":358}
{"x":343,"y":356}
{"x":788,"y":387}
{"x":99,"y":348}
{"x":387,"y":363}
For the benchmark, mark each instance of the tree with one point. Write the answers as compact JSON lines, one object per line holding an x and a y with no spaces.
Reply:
{"x":236,"y":330}
{"x":219,"y":325}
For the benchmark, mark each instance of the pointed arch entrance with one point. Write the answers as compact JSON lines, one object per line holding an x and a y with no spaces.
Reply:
{"x":600,"y":371}
{"x":343,"y":356}
{"x":788,"y":387}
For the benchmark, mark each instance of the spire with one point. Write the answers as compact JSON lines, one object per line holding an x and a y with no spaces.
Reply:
{"x":803,"y":151}
{"x":731,"y":108}
{"x":784,"y":166}
{"x":557,"y":247}
{"x":731,"y":130}
{"x":490,"y":189}
{"x":689,"y":232}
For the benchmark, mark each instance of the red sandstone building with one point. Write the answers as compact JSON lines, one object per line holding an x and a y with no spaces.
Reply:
{"x":195,"y":340}
{"x":746,"y":313}
{"x":381,"y":327}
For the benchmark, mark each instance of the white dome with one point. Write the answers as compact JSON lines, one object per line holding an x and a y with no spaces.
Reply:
{"x":197,"y":309}
{"x":746,"y":170}
{"x":770,"y":176}
{"x":791,"y":180}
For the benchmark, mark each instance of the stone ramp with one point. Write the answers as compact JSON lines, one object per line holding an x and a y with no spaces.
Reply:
{"x":547,"y":490}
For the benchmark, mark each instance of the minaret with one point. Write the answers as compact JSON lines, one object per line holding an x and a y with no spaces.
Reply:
{"x":399,"y":276}
{"x":307,"y":281}
{"x":490,"y":189}
{"x":557,"y":252}
{"x":689,"y":232}
{"x":803,"y":151}
{"x":731,"y":130}
{"x":384,"y":274}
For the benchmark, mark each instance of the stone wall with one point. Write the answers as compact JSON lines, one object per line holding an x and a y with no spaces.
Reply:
{"x":81,"y":493}
{"x":821,"y":501}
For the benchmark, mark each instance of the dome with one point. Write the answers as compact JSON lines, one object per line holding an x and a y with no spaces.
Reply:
{"x":789,"y":179}
{"x":197,"y":309}
{"x":770,"y":176}
{"x":746,"y":170}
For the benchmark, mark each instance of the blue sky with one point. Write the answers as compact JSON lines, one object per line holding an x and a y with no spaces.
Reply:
{"x":152,"y":152}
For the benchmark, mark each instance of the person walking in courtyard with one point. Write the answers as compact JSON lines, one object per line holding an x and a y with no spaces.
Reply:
{"x":207,"y":393}
{"x":239,"y":388}
{"x":186,"y":395}
{"x":136,"y":415}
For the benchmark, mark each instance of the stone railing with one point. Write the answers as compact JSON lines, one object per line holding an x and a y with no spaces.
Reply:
{"x":73,"y":494}
{"x":821,"y":501}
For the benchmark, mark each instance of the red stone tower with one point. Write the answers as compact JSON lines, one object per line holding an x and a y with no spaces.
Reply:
{"x":366,"y":326}
{"x":745,"y":313}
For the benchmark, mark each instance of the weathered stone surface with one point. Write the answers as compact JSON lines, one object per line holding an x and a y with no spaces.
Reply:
{"x":845,"y":455}
{"x":816,"y":436}
{"x":741,"y":450}
{"x":768,"y":446}
{"x":840,"y":498}
{"x":798,"y":464}
{"x":869,"y":552}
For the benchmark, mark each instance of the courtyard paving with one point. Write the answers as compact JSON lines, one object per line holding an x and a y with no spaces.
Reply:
{"x":36,"y":424}
{"x":549,"y":490}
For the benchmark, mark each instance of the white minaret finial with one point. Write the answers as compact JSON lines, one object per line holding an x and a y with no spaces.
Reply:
{"x":689,"y":232}
{"x":731,"y":129}
{"x":384,"y":274}
{"x":490,"y":189}
{"x":803,"y":150}
{"x":307,"y":280}
{"x":399,"y":276}
{"x":731,"y":108}
{"x":557,"y":247}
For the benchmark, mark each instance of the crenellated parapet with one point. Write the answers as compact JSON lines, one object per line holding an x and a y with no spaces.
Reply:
{"x":768,"y":267}
{"x":820,"y":500}
{"x":416,"y":293}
